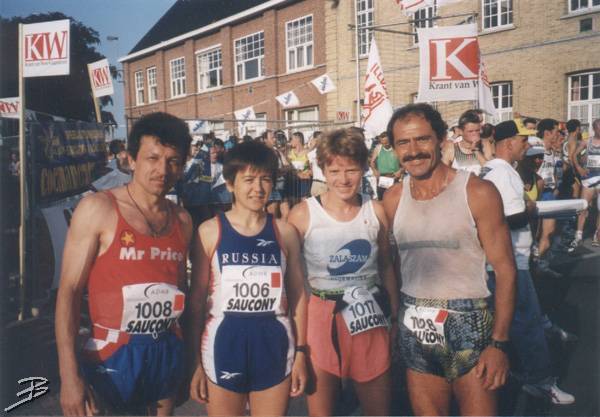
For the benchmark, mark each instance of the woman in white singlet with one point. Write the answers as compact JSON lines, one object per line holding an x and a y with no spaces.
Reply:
{"x":346,"y":250}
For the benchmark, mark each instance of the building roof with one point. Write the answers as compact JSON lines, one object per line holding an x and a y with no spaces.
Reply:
{"x":188,"y":17}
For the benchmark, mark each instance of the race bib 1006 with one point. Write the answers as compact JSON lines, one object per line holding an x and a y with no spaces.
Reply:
{"x":150,"y":308}
{"x":427,"y":324}
{"x":251,"y":289}
{"x":362,"y":312}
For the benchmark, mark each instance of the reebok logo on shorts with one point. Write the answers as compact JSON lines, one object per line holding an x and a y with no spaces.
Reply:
{"x":229,"y":375}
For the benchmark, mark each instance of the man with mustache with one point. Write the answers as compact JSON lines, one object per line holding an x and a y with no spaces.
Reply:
{"x":128,"y":247}
{"x":446,"y":224}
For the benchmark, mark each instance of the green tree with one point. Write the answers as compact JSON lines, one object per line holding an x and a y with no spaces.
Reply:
{"x":68,"y":96}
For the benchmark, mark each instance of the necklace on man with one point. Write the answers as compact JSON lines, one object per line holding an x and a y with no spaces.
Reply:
{"x":153,"y":231}
{"x":438,"y":192}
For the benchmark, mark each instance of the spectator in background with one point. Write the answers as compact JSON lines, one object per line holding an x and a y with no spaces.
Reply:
{"x":278,"y":204}
{"x":319,"y":186}
{"x":14,"y":167}
{"x":298,"y":157}
{"x":530,"y":123}
{"x":467,"y":153}
{"x":385,"y":165}
{"x":487,"y":141}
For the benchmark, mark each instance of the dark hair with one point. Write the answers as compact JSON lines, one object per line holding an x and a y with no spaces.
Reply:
{"x":166,"y":128}
{"x":316,"y":134}
{"x":300,"y":135}
{"x":115,"y":146}
{"x":545,"y":124}
{"x":487,"y":131}
{"x":529,"y":120}
{"x":572,"y":125}
{"x":424,"y":110}
{"x":265,"y":134}
{"x":249,"y":154}
{"x":247,"y":138}
{"x":470,"y":116}
{"x":218,"y":142}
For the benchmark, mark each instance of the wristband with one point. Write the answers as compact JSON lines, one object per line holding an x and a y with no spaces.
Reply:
{"x":302,"y":348}
{"x":503,"y":346}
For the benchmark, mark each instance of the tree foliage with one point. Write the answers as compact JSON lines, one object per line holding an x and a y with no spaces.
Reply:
{"x":68,"y":96}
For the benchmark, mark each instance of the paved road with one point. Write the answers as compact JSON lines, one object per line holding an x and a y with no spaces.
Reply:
{"x":572,"y":301}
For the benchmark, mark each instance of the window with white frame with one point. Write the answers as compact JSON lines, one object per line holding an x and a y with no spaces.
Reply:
{"x":177,"y":77}
{"x":210,"y":69}
{"x":249,"y":57}
{"x":139,"y":88}
{"x":497,"y":13}
{"x":583,"y":5}
{"x":301,"y":120}
{"x":299,"y":35}
{"x":152,"y":85}
{"x":422,"y":18}
{"x":365,"y":14}
{"x":584,"y":98}
{"x":503,"y":100}
{"x":258,"y":126}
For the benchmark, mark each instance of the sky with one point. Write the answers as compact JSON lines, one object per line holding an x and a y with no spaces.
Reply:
{"x":129,"y":20}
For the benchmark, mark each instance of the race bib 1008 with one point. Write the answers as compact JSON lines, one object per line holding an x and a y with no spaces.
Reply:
{"x":251,"y":289}
{"x":150,"y":308}
{"x":362,"y":312}
{"x":427,"y":324}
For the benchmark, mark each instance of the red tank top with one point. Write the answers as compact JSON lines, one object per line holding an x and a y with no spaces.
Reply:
{"x":133,"y":285}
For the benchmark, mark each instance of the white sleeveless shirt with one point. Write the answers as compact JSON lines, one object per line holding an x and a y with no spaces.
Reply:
{"x":341,"y":254}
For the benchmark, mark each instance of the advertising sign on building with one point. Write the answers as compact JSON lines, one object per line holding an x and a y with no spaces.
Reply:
{"x":342,"y":115}
{"x":46,"y":48}
{"x":9,"y":107}
{"x":100,"y":78}
{"x":449,"y":63}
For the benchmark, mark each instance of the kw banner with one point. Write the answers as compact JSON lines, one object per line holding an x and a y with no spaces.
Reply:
{"x":9,"y":107}
{"x":101,"y":78}
{"x":377,"y":109}
{"x":449,"y":63}
{"x":288,"y":99}
{"x":324,"y":84}
{"x":243,"y":116}
{"x":46,"y":48}
{"x":67,"y":158}
{"x":484,"y":92}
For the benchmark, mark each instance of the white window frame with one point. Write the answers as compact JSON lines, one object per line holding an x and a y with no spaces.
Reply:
{"x":177,"y":79}
{"x":500,"y":90}
{"x":138,"y":77}
{"x":151,"y":74}
{"x":425,"y":17}
{"x":204,"y":73}
{"x":582,"y":9}
{"x":292,"y":118}
{"x":499,"y":14}
{"x":240,"y":63}
{"x":304,"y":49}
{"x":588,"y":109}
{"x":365,"y":17}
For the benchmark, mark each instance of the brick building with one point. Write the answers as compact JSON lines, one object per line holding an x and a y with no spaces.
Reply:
{"x":542,"y":57}
{"x":206,"y":59}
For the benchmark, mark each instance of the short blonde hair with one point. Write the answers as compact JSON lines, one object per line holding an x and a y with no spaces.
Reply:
{"x":347,"y":143}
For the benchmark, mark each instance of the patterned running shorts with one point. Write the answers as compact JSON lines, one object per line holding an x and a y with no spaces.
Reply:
{"x":448,"y":343}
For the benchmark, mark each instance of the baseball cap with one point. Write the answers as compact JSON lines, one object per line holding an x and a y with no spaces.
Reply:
{"x":510,"y":128}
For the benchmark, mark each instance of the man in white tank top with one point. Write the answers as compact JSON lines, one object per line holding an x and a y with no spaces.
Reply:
{"x":446,"y":224}
{"x":466,"y":152}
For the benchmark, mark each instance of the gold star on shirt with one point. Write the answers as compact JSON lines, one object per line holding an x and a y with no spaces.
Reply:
{"x":127,"y":238}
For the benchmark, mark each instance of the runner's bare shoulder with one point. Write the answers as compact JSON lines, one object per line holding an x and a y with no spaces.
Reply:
{"x":95,"y":210}
{"x":482,"y":196}
{"x":391,"y":199}
{"x":184,"y":218}
{"x":208,"y":235}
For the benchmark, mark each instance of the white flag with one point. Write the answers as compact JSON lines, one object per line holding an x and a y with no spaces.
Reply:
{"x":449,"y":63}
{"x":324,"y":84}
{"x":198,"y":127}
{"x":242,"y":117}
{"x":377,"y":109}
{"x":288,"y":99}
{"x":46,"y":48}
{"x":411,"y":6}
{"x":101,"y":78}
{"x":485,"y":98}
{"x":9,"y":107}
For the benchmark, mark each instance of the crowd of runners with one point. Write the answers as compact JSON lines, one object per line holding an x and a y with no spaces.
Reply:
{"x":320,"y":260}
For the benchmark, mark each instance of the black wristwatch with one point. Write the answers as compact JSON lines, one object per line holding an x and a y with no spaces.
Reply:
{"x":503,"y":346}
{"x":303,"y":349}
